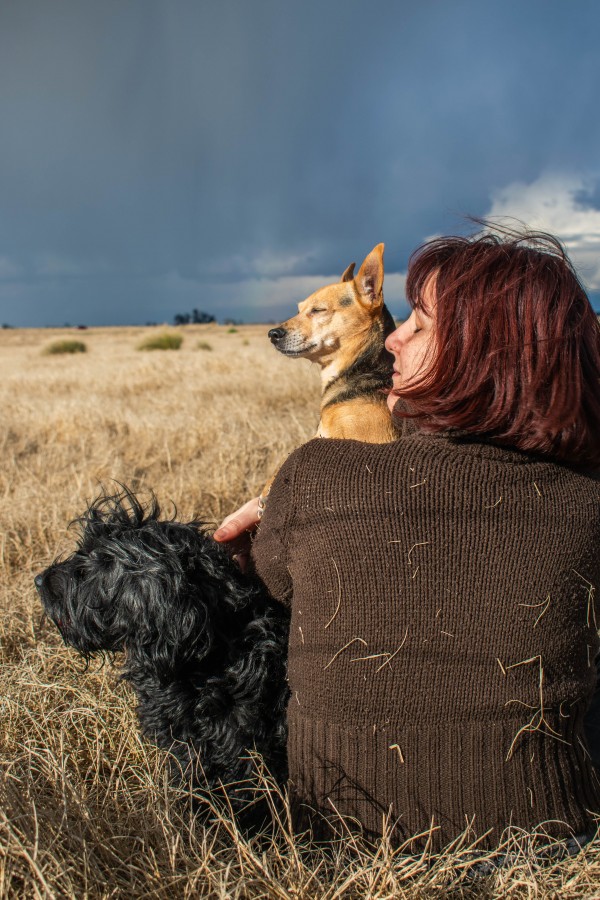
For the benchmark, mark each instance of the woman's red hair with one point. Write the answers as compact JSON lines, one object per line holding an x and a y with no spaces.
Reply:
{"x":517,"y":358}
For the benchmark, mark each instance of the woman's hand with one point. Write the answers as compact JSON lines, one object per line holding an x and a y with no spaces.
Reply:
{"x":236,"y":529}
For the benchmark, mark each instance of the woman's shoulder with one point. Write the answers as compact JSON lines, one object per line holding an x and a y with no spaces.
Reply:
{"x":321,"y":452}
{"x":454,"y":448}
{"x":326,"y":458}
{"x":451,"y":456}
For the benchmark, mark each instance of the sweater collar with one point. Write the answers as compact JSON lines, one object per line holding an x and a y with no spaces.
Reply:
{"x":473,"y":444}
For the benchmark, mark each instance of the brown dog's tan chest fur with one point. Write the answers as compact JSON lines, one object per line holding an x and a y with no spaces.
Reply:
{"x":358,"y":420}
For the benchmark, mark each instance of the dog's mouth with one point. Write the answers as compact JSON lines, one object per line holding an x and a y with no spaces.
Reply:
{"x":43,"y":587}
{"x":293,"y":350}
{"x":290,"y":342}
{"x":64,"y":625}
{"x":295,"y":353}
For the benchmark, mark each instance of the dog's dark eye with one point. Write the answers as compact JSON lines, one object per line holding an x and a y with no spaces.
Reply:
{"x":316,"y":310}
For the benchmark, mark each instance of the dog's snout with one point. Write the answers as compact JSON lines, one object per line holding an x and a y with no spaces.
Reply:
{"x":39,"y":580}
{"x":275,"y":334}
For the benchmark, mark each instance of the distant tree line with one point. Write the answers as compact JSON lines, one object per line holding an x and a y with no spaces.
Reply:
{"x":197,"y":317}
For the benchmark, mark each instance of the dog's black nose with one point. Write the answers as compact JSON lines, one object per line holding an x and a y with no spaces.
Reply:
{"x":38,"y":581}
{"x":276,"y":334}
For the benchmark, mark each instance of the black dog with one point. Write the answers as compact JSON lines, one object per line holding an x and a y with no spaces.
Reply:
{"x":205,"y":647}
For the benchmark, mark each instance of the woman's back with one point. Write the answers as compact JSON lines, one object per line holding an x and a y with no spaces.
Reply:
{"x":443,"y":633}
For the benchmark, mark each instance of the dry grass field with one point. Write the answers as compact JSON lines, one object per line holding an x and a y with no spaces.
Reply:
{"x":86,"y":809}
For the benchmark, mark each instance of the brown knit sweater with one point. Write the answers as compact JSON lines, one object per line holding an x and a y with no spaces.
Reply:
{"x":443,"y":634}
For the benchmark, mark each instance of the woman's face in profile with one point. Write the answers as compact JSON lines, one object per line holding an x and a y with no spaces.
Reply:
{"x":412,"y":342}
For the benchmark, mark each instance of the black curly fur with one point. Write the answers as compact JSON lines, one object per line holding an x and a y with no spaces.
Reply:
{"x":205,"y":647}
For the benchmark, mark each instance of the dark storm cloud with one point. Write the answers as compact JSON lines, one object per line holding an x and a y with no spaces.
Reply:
{"x":159,"y":152}
{"x":589,"y":196}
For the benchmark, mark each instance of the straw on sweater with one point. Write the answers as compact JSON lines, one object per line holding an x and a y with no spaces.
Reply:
{"x":445,"y":592}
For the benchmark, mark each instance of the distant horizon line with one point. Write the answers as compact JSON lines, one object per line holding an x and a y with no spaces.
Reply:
{"x":82,"y":327}
{"x":224,"y":322}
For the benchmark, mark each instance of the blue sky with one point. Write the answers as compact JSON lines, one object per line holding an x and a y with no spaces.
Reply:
{"x":161,"y":155}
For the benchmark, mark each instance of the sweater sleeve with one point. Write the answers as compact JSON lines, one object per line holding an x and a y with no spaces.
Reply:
{"x":270,"y":546}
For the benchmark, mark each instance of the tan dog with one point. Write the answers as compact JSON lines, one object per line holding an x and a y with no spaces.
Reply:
{"x":342,"y":328}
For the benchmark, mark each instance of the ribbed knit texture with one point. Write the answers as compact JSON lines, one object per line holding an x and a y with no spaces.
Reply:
{"x":443,"y":634}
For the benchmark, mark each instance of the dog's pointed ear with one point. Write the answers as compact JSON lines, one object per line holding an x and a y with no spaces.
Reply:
{"x":369,"y":280}
{"x":349,"y":273}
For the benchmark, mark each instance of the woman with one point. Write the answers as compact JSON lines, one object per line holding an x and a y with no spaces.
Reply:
{"x":442,"y":587}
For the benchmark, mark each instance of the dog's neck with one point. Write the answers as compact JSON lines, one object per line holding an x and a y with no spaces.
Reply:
{"x":330,"y":370}
{"x":375,"y":361}
{"x":368,"y":374}
{"x":331,"y":365}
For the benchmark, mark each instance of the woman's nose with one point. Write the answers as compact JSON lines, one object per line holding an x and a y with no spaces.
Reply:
{"x":394,"y":340}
